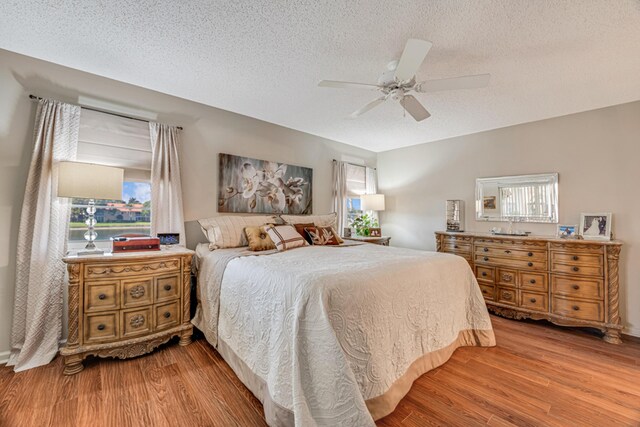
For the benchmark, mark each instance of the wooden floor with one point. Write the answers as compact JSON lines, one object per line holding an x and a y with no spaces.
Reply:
{"x":537,"y":375}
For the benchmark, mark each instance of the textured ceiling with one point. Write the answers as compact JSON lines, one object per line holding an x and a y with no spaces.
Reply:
{"x":264,"y":58}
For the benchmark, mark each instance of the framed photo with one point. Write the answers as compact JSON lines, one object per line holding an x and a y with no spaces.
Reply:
{"x":375,"y":232}
{"x":169,"y":238}
{"x":567,"y":231}
{"x":595,"y":226}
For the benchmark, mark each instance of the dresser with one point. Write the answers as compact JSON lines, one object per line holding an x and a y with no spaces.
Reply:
{"x":567,"y":282}
{"x":125,"y":305}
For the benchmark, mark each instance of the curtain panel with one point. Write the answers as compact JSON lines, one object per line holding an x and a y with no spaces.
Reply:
{"x":340,"y":193}
{"x":42,"y":238}
{"x":166,"y":186}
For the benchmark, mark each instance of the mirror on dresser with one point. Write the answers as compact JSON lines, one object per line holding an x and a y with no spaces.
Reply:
{"x":522,"y":198}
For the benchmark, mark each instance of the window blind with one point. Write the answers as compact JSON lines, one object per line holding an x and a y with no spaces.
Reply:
{"x":115,"y":141}
{"x":356,"y":180}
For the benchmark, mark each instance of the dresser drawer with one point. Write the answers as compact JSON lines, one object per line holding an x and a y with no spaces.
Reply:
{"x":585,"y":310}
{"x":137,"y":292}
{"x":101,"y":327}
{"x":167,"y":288}
{"x":534,"y":301}
{"x":510,"y":252}
{"x":102,"y":271}
{"x":138,"y":321}
{"x":577,"y":258}
{"x":534,"y":281}
{"x":488,"y":292}
{"x":101,"y":296}
{"x":515,"y":263}
{"x":507,"y":296}
{"x":485,"y":274}
{"x":582,"y":270}
{"x":167,"y":315}
{"x":577,"y":287}
{"x":455,"y":247}
{"x":507,"y":277}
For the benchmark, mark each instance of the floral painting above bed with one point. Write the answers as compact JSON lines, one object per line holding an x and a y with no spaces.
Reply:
{"x":259,"y":186}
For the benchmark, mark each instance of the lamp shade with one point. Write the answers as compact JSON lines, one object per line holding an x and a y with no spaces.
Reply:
{"x":89,"y":181}
{"x":372,"y":202}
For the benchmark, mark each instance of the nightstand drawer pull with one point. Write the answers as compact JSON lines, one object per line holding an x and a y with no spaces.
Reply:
{"x":576,"y":269}
{"x":576,"y":287}
{"x":530,"y":254}
{"x":137,"y":292}
{"x":507,"y":251}
{"x":532,"y":281}
{"x":101,"y":327}
{"x":455,"y":246}
{"x":484,"y":274}
{"x":576,"y":257}
{"x":486,"y":249}
{"x":576,"y":308}
{"x":530,"y":264}
{"x":167,"y":315}
{"x":486,"y":258}
{"x":167,"y":287}
{"x":102,"y":296}
{"x":533,"y":300}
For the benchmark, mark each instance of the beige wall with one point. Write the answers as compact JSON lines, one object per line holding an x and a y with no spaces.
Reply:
{"x":596,"y":153}
{"x":207,"y":132}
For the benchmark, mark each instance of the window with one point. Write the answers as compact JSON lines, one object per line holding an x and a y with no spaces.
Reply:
{"x":356,"y":187}
{"x":115,"y":141}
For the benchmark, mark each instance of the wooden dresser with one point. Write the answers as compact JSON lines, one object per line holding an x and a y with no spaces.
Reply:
{"x":125,"y":305}
{"x":568,"y":282}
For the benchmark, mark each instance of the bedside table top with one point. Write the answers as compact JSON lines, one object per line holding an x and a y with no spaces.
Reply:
{"x":164,"y":251}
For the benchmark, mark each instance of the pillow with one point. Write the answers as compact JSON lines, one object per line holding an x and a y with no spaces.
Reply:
{"x":300,"y":229}
{"x":259,"y":239}
{"x":322,"y":235}
{"x":228,"y":231}
{"x":285,"y":237}
{"x":329,"y":220}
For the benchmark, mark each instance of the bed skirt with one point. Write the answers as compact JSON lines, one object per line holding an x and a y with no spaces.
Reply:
{"x":379,"y":406}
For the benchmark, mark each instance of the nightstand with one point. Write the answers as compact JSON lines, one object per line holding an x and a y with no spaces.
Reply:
{"x":126,"y":304}
{"x":383,"y":241}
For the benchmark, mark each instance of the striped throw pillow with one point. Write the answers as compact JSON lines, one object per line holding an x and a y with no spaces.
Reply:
{"x":285,"y":237}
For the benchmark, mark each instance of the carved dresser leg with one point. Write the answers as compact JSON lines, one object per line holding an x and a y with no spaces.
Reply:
{"x":72,"y":364}
{"x":185,"y":338}
{"x":612,"y":336}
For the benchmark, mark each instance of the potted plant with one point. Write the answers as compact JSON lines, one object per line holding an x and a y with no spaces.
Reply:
{"x":363,"y":223}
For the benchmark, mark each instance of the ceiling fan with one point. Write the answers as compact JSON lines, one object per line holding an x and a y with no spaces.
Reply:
{"x":400,"y":80}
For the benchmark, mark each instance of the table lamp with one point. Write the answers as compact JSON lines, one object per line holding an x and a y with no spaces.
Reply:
{"x":90,"y":181}
{"x":372,"y":202}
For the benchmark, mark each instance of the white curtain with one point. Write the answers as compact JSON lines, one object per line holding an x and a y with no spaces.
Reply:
{"x":340,"y":193}
{"x":42,"y":240}
{"x":166,"y":187}
{"x":371,"y":183}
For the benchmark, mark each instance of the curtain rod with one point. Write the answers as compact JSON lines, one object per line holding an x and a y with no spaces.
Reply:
{"x":355,"y":164}
{"x":38,"y":98}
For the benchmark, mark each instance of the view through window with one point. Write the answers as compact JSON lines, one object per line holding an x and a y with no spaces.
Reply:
{"x":132,"y":214}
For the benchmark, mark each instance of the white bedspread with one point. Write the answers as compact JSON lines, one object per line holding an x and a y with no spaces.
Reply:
{"x":327,"y":328}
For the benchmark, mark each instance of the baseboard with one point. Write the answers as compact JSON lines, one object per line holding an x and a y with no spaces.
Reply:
{"x":4,"y":357}
{"x":634,"y":332}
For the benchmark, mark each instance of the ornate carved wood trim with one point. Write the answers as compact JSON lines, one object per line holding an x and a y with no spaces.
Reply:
{"x":613,"y":255}
{"x":74,"y":304}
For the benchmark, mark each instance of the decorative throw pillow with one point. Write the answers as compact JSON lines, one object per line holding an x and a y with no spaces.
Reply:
{"x":285,"y":237}
{"x":300,"y":229}
{"x":259,"y":239}
{"x":322,"y":235}
{"x":329,"y":220}
{"x":228,"y":231}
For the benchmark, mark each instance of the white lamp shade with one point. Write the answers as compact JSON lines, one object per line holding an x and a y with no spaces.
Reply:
{"x":89,"y":181}
{"x":372,"y":202}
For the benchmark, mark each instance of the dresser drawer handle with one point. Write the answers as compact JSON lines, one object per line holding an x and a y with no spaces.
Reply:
{"x":507,"y":251}
{"x":167,"y":315}
{"x":102,"y":296}
{"x":167,"y":287}
{"x":576,"y":269}
{"x":101,"y":327}
{"x":486,"y":249}
{"x":576,"y":287}
{"x":484,"y":291}
{"x":486,"y":258}
{"x":530,"y":254}
{"x":532,"y":281}
{"x":455,"y":246}
{"x":484,"y":274}
{"x":533,"y":300}
{"x":530,"y":264}
{"x":576,"y":257}
{"x":576,"y":308}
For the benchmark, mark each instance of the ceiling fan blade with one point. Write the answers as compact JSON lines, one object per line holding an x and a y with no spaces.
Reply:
{"x":347,"y":85}
{"x":453,"y":83}
{"x":368,"y":107}
{"x":413,"y":107}
{"x":414,"y":53}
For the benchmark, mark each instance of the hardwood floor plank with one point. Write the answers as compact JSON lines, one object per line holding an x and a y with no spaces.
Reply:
{"x":537,"y":375}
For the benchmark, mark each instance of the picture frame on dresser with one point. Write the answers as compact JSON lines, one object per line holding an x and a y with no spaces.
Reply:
{"x":565,"y":231}
{"x":596,"y":226}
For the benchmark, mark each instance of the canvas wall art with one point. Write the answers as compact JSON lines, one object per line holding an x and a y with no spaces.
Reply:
{"x":248,"y":185}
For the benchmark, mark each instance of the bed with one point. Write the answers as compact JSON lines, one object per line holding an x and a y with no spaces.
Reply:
{"x":336,"y":335}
